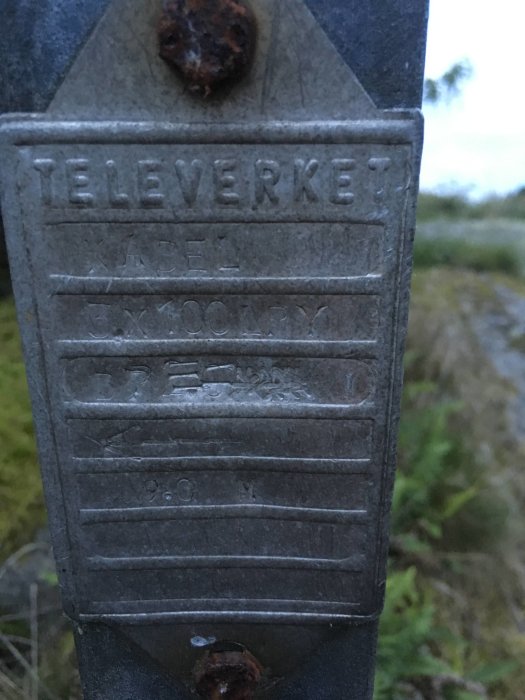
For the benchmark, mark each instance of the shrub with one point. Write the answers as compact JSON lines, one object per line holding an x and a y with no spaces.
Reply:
{"x":461,"y":253}
{"x":456,"y":205}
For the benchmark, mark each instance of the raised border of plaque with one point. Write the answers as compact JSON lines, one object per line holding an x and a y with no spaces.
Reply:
{"x":213,"y":322}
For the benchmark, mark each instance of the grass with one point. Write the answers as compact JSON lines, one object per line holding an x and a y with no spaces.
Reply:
{"x":484,"y":245}
{"x":467,"y":254}
{"x":21,"y":502}
{"x":456,"y":206}
{"x":459,"y":495}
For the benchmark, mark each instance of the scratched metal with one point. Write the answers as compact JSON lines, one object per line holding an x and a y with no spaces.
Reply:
{"x":213,"y":323}
{"x":35,"y":62}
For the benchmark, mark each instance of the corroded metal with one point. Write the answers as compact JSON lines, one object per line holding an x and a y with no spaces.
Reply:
{"x":210,"y":42}
{"x":228,"y":671}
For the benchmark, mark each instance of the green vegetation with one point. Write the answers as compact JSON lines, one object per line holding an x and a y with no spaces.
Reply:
{"x":470,"y":255}
{"x":449,"y":85}
{"x":440,"y":482}
{"x":456,"y":589}
{"x":21,"y":504}
{"x":486,"y":236}
{"x":457,"y":206}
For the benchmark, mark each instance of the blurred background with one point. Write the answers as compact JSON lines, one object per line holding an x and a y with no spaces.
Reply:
{"x":454,"y":623}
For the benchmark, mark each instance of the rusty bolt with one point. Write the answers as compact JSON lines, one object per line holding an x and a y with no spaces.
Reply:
{"x":209,"y":42}
{"x":227,"y":672}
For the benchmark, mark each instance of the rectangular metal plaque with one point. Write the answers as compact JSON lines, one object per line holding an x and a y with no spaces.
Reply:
{"x":212,"y":327}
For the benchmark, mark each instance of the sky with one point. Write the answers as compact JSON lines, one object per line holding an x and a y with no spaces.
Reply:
{"x":477,"y":142}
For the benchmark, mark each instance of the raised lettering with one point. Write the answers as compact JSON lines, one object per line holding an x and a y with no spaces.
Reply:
{"x":341,"y":181}
{"x":217,"y":318}
{"x":77,"y":170}
{"x":185,"y":490}
{"x":181,"y":375}
{"x":267,"y":175}
{"x":303,"y":175}
{"x":192,"y":317}
{"x":97,"y":262}
{"x":116,"y":198}
{"x":46,"y":167}
{"x":278,"y":316}
{"x":151,"y":486}
{"x":312,"y":318}
{"x":189,"y":179}
{"x":137,"y":379}
{"x":249,"y":323}
{"x":359,"y":382}
{"x":228,"y":255}
{"x":98,"y":315}
{"x":225,"y":181}
{"x":195,"y":255}
{"x":166,"y":251}
{"x":150,"y":184}
{"x":380,"y":166}
{"x":102,"y":386}
{"x":136,"y":318}
{"x":133,"y":258}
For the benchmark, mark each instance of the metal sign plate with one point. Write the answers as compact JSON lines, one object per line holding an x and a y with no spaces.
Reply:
{"x":212,"y":326}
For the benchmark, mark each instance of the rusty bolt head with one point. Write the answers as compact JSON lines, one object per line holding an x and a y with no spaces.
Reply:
{"x":210,"y":42}
{"x":227,"y":672}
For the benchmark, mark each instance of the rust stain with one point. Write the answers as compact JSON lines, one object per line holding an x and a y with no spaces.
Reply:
{"x":209,"y":42}
{"x":228,"y":672}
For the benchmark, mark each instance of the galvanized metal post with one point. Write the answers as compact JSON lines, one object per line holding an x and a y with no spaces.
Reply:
{"x":211,"y":252}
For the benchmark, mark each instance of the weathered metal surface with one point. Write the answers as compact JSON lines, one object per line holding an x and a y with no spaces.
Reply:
{"x":209,"y":42}
{"x":222,"y":399}
{"x":383,"y":41}
{"x":213,"y":297}
{"x":285,"y":82}
{"x":38,"y":43}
